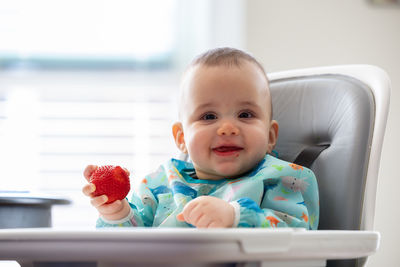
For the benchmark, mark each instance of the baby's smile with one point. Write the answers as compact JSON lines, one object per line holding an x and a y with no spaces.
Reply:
{"x":227,"y":150}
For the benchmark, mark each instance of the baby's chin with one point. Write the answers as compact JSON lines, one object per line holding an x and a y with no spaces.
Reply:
{"x":222,"y":174}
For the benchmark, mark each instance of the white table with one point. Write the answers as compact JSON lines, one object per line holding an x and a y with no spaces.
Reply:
{"x":179,"y":247}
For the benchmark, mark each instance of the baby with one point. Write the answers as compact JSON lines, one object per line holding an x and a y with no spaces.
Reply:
{"x":226,"y":128}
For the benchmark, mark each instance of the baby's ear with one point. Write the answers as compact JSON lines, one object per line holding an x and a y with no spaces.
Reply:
{"x":273,"y":135}
{"x":177,"y":131}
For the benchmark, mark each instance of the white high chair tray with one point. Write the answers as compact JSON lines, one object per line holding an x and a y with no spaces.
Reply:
{"x":162,"y":245}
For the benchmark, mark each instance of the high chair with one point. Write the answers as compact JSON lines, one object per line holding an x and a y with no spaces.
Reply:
{"x":331,"y":119}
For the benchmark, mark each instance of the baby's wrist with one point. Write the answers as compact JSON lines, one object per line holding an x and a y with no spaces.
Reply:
{"x":122,"y":214}
{"x":119,"y":221}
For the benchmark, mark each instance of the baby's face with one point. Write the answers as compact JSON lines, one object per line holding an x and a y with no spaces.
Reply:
{"x":226,"y":120}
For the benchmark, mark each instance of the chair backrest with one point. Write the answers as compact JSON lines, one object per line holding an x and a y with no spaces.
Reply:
{"x":345,"y":107}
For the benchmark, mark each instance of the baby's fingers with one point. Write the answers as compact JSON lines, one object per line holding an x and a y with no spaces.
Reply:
{"x":88,"y":171}
{"x":98,"y":201}
{"x":187,"y":212}
{"x":180,"y":217}
{"x":88,"y":189}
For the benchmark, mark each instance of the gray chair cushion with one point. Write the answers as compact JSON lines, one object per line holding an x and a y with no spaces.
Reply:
{"x":328,"y":109}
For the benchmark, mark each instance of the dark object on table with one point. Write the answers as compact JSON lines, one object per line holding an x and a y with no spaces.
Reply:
{"x":24,"y":209}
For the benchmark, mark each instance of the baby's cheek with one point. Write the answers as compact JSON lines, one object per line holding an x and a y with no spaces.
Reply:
{"x":197,"y":152}
{"x":259,"y":142}
{"x":198,"y":139}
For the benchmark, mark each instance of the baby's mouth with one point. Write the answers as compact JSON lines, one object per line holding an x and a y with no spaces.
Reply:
{"x":227,"y":150}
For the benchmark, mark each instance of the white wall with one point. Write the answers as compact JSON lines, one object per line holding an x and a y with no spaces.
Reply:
{"x":288,"y":34}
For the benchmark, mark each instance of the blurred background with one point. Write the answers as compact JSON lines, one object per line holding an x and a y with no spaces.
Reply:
{"x":94,"y":82}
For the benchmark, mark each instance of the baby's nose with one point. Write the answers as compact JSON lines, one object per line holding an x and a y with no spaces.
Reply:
{"x":227,"y":128}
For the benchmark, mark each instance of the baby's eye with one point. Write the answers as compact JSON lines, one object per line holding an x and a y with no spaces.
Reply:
{"x":245,"y":115}
{"x":209,"y":116}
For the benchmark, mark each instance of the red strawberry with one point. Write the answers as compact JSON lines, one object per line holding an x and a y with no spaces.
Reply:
{"x":112,"y":181}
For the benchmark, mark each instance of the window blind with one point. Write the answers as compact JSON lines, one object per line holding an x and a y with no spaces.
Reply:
{"x":47,"y":139}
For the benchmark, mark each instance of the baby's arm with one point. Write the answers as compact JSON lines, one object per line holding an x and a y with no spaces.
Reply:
{"x":117,"y":213}
{"x":113,"y":211}
{"x":293,"y":202}
{"x":251,"y":215}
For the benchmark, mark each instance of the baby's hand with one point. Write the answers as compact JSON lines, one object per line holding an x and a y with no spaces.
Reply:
{"x":116,"y":210}
{"x":208,"y":212}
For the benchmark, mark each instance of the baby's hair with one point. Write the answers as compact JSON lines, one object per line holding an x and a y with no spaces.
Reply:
{"x":225,"y":56}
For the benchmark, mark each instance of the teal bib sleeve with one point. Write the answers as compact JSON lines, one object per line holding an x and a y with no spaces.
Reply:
{"x":286,"y":202}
